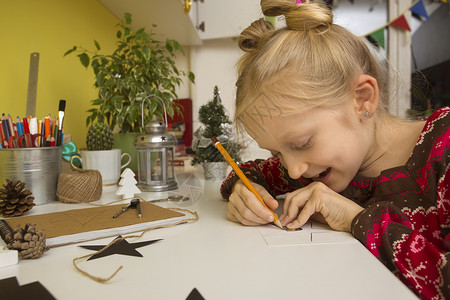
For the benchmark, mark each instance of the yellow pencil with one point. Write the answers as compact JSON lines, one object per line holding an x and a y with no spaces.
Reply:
{"x":244,"y":178}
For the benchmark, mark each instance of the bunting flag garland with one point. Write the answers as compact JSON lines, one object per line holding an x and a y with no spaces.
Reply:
{"x":271,"y":20}
{"x":419,"y":9}
{"x":401,"y":22}
{"x":376,"y":37}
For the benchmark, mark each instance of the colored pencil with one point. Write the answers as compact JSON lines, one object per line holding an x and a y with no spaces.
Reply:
{"x":19,"y":126}
{"x":6,"y":127}
{"x":26,"y":127}
{"x":11,"y":125}
{"x":4,"y":140}
{"x":16,"y":130}
{"x":47,"y":127}
{"x":40,"y":130}
{"x":244,"y":178}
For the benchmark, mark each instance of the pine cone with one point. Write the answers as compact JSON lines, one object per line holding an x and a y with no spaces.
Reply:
{"x":28,"y":242}
{"x":15,"y":200}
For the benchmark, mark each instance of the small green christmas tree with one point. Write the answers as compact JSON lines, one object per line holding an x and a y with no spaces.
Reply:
{"x":216,"y":123}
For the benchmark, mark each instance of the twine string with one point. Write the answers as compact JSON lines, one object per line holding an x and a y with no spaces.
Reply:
{"x":104,"y":280}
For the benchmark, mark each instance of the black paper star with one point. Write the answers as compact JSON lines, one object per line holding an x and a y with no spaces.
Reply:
{"x":10,"y":289}
{"x":119,"y":247}
{"x":195,"y":295}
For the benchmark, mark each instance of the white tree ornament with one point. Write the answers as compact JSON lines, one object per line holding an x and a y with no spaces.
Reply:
{"x":127,"y":185}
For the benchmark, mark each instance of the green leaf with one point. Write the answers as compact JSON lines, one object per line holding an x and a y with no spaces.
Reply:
{"x":127,"y":17}
{"x":191,"y":77}
{"x":119,"y":34}
{"x":118,"y":105}
{"x":70,"y":50}
{"x":97,"y":45}
{"x":152,"y":108}
{"x":88,"y":121}
{"x":126,"y":32}
{"x":132,"y":114}
{"x":84,"y":59}
{"x":177,"y":46}
{"x":97,"y":101}
{"x":116,"y":98}
{"x":169,"y":46}
{"x":99,"y":79}
{"x":170,"y":111}
{"x":146,"y":52}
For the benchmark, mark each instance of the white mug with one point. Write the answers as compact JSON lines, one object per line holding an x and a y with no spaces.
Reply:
{"x":107,"y":162}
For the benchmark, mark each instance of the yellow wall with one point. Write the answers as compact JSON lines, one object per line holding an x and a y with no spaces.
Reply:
{"x":51,"y":27}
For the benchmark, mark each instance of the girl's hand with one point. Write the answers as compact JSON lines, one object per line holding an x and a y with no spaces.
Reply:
{"x":301,"y":204}
{"x":244,"y":207}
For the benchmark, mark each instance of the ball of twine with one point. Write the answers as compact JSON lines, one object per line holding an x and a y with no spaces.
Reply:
{"x":79,"y":186}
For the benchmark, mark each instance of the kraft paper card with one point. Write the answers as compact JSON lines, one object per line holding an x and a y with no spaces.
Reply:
{"x":79,"y":225}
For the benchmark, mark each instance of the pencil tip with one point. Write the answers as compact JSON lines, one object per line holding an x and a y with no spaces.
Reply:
{"x":278,"y":223}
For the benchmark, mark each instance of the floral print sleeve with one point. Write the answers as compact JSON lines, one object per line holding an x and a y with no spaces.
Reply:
{"x":268,"y":173}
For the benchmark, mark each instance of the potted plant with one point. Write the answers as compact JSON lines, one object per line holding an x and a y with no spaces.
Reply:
{"x":141,"y":67}
{"x":215,"y":122}
{"x":100,"y":154}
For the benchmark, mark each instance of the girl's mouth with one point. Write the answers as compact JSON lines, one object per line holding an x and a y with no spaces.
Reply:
{"x":323,"y":174}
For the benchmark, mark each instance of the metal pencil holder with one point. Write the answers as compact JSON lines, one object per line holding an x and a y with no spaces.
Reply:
{"x":39,"y":168}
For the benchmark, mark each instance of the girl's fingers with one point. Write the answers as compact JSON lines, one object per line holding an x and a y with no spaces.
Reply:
{"x":267,"y":197}
{"x":307,"y":211}
{"x":234,"y":215}
{"x":245,"y":207}
{"x":293,"y":204}
{"x":337,"y":210}
{"x":243,"y":212}
{"x":249,"y":205}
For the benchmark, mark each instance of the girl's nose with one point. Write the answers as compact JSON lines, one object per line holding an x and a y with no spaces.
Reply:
{"x":295,"y":166}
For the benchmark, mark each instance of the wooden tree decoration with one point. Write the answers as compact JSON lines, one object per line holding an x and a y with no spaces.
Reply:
{"x":127,"y":184}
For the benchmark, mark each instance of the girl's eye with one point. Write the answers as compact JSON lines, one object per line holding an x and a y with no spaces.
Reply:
{"x":306,"y":145}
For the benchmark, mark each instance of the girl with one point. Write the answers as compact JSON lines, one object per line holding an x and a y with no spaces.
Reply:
{"x":313,"y":95}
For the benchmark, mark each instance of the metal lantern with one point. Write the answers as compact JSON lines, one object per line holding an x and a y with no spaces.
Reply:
{"x":155,"y":151}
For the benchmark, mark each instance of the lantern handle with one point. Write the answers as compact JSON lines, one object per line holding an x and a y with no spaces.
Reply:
{"x":142,"y":108}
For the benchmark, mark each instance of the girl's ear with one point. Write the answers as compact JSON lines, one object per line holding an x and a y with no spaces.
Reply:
{"x":365,"y":95}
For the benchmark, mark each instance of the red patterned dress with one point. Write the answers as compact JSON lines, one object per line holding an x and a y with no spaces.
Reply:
{"x":406,"y":218}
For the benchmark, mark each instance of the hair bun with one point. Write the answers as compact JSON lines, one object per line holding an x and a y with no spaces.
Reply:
{"x":274,"y":8}
{"x":299,"y":17}
{"x":251,"y":37}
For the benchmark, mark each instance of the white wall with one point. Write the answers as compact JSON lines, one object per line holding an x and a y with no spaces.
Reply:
{"x":358,"y":18}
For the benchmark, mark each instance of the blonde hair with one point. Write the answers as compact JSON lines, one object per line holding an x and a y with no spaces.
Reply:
{"x":311,"y":62}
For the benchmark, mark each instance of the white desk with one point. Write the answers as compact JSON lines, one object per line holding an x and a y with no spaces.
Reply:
{"x":223,"y":260}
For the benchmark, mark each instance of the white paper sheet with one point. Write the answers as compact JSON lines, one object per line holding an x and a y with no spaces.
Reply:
{"x":311,"y":233}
